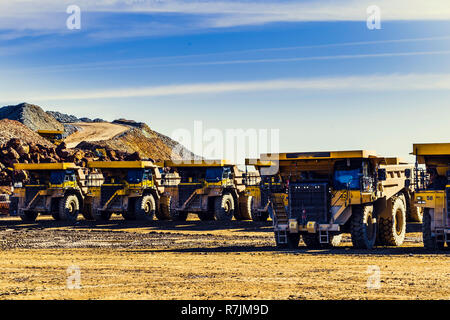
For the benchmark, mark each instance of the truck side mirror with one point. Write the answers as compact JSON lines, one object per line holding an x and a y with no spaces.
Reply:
{"x":382,"y":174}
{"x":408,"y":173}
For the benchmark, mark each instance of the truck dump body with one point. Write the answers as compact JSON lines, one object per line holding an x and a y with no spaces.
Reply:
{"x":130,"y":188}
{"x":322,"y":188}
{"x":433,"y":192}
{"x":199,"y":183}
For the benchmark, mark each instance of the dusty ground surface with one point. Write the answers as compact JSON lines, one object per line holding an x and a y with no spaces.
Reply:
{"x":94,"y":132}
{"x":203,"y":260}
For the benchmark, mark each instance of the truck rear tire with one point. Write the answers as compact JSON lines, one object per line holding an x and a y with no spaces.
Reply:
{"x":54,"y":209}
{"x":145,"y":207}
{"x":164,"y":208}
{"x":245,"y":208}
{"x":224,"y":207}
{"x":293,"y":240}
{"x":69,"y":208}
{"x":429,"y":241}
{"x":416,"y":214}
{"x":206,"y":216}
{"x":260,"y":216}
{"x":311,"y":240}
{"x":392,"y":230}
{"x":363,"y":227}
{"x":178,"y":215}
{"x":29,"y":215}
{"x":87,"y":212}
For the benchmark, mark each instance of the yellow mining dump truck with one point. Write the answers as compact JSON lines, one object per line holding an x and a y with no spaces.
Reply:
{"x":54,"y":136}
{"x":213,"y":189}
{"x":130,"y":188}
{"x":57,"y":189}
{"x":433,"y":192}
{"x":258,"y":185}
{"x":330,"y":193}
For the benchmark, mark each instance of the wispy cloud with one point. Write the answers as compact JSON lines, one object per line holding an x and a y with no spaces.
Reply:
{"x":49,"y":15}
{"x":391,"y":82}
{"x":160,"y":62}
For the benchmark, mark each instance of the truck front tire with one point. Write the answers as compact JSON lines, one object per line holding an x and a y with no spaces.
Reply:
{"x":224,"y":207}
{"x":363,"y":227}
{"x":392,"y":229}
{"x":69,"y":208}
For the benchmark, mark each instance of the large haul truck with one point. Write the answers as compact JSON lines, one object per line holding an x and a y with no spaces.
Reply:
{"x":212,"y":189}
{"x":433,"y":192}
{"x":54,"y":136}
{"x":326,"y":194}
{"x":57,"y":189}
{"x":130,"y":188}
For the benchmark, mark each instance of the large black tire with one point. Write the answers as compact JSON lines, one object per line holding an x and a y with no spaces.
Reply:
{"x":54,"y":209}
{"x":245,"y":208}
{"x":429,"y":241}
{"x":164,"y":208}
{"x":105,"y":215}
{"x":311,"y":240}
{"x":260,"y":216}
{"x":176,"y":215}
{"x":145,"y":207}
{"x":29,"y":216}
{"x":69,"y":208}
{"x":416,"y":214}
{"x":392,"y":229}
{"x":87,"y":212}
{"x":206,"y":215}
{"x":363,"y":227}
{"x":224,"y":207}
{"x":293,"y":240}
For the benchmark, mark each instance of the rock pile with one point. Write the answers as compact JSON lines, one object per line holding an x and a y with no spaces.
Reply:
{"x":17,"y":151}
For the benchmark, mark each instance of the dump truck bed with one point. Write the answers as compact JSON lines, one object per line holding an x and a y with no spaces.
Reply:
{"x":121,"y":164}
{"x":45,"y":166}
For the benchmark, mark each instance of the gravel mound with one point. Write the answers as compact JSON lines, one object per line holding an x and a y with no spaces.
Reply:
{"x":32,"y":116}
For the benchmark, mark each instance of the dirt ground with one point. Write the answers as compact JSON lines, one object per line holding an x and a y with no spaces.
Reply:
{"x":94,"y":132}
{"x":203,"y":260}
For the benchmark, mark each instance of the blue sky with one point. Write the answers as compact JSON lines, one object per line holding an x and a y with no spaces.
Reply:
{"x":309,"y":68}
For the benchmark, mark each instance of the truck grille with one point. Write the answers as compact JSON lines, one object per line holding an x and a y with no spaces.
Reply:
{"x":309,"y":202}
{"x":30,"y":193}
{"x":107,"y":192}
{"x":185,"y":191}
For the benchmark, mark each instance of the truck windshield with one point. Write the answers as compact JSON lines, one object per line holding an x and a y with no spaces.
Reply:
{"x":135,"y":176}
{"x":350,"y":178}
{"x":57,"y":177}
{"x":214,"y":174}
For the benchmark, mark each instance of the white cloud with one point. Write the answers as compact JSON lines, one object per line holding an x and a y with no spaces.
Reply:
{"x":49,"y":14}
{"x":391,"y":82}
